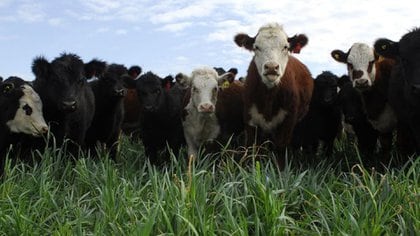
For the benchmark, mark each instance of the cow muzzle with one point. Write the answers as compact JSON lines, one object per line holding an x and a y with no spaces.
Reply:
{"x":361,"y":83}
{"x":206,"y":108}
{"x":69,"y":106}
{"x":271,"y":71}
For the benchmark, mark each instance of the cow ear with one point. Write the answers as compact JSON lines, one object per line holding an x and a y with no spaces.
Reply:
{"x":1,"y":79}
{"x":339,"y":56}
{"x":387,"y":48}
{"x":183,"y":80}
{"x":128,"y":81}
{"x":225,"y":80}
{"x":40,"y":67}
{"x":243,"y":40}
{"x":297,"y":42}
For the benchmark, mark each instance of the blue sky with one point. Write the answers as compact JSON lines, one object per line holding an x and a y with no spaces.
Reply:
{"x":168,"y":37}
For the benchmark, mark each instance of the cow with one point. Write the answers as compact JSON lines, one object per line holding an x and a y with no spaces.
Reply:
{"x":109,"y":90}
{"x":200,"y":122}
{"x":355,"y":118}
{"x":322,"y":123}
{"x":68,"y":101}
{"x":160,"y":116}
{"x":21,"y":115}
{"x":278,"y":87}
{"x":132,"y":105}
{"x":370,"y":75}
{"x":404,"y":87}
{"x":94,"y":69}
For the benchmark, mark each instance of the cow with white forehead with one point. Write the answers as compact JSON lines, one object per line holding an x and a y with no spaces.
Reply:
{"x":360,"y":61}
{"x":278,"y":87}
{"x":200,"y":121}
{"x":370,"y":75}
{"x":21,"y":114}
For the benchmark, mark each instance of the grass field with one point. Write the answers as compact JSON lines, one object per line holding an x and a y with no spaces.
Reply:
{"x":208,"y":196}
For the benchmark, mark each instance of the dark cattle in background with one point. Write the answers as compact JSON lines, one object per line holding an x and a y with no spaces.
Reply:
{"x":323,"y":120}
{"x":404,"y":87}
{"x":68,"y":100}
{"x":351,"y":104}
{"x":109,"y":91}
{"x":160,"y":116}
{"x":94,"y":69}
{"x":168,"y":82}
{"x":278,"y":87}
{"x":21,"y":115}
{"x":370,"y":75}
{"x":130,"y":125}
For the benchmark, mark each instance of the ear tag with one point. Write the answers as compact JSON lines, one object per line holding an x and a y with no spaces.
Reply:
{"x":7,"y":88}
{"x":336,"y":56}
{"x":383,"y":47}
{"x":225,"y":85}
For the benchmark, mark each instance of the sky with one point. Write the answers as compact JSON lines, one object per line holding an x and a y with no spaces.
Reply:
{"x":168,"y":37}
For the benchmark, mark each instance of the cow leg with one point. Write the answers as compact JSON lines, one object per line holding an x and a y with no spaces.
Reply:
{"x":386,"y":145}
{"x":282,"y":138}
{"x":251,"y":135}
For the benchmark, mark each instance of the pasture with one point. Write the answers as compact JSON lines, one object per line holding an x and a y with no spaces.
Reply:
{"x":210,"y":195}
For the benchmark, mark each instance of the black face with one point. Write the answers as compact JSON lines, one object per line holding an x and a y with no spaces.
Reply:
{"x":111,"y":84}
{"x":409,"y":57}
{"x":61,"y":81}
{"x":150,"y":92}
{"x":325,"y":88}
{"x":351,"y":103}
{"x":10,"y":93}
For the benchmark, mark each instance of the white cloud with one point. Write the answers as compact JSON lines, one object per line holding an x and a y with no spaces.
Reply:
{"x":121,"y":32}
{"x":175,"y":27}
{"x":31,"y":12}
{"x":55,"y":21}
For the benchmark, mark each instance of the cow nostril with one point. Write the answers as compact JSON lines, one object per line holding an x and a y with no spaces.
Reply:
{"x":44,"y":129}
{"x":277,"y":67}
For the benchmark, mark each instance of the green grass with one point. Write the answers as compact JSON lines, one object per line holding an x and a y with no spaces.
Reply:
{"x":214,"y":195}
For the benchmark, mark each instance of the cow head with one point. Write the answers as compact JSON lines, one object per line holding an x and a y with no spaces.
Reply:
{"x":112,"y":83}
{"x":204,"y":84}
{"x":407,"y":54}
{"x":325,"y":88}
{"x":360,"y":61}
{"x":271,"y":48}
{"x":150,"y":92}
{"x":350,"y":101}
{"x":61,"y":81}
{"x":21,"y":108}
{"x":95,"y":69}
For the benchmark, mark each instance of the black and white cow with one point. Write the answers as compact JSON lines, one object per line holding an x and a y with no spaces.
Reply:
{"x":200,"y":122}
{"x":21,"y":114}
{"x":68,"y":101}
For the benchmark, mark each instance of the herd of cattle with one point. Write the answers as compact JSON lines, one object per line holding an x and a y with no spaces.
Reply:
{"x":279,"y":101}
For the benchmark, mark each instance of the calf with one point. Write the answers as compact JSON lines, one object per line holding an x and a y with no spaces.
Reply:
{"x":371,"y":76}
{"x":21,"y":115}
{"x":160,"y":119}
{"x":323,"y":120}
{"x":278,"y":87}
{"x":132,"y":105}
{"x":109,"y":94}
{"x":200,"y":122}
{"x":68,"y":101}
{"x":404,"y":87}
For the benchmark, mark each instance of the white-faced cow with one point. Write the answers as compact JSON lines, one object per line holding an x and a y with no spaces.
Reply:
{"x":404,"y":87}
{"x":278,"y":87}
{"x":370,"y":75}
{"x":200,"y":121}
{"x":68,"y":101}
{"x":21,"y":114}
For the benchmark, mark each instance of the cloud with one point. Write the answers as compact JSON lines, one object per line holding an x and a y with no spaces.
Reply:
{"x":55,"y":21}
{"x":121,"y":32}
{"x":31,"y":12}
{"x":175,"y":27}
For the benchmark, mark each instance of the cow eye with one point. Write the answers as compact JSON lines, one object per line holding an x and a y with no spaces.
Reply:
{"x":350,"y":66}
{"x":27,"y":109}
{"x":257,"y":48}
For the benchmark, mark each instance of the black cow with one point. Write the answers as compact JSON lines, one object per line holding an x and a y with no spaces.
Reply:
{"x":160,"y":119}
{"x":352,"y":106}
{"x":109,"y":94}
{"x":404,"y":87}
{"x":20,"y":116}
{"x":323,"y":120}
{"x":68,"y":101}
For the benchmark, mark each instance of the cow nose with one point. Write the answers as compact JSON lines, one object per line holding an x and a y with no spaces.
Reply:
{"x":271,"y":68}
{"x":119,"y":92}
{"x":69,"y":105}
{"x":44,"y":129}
{"x":206,"y":107}
{"x":361,"y":83}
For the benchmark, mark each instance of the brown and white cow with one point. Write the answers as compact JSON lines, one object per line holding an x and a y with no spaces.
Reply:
{"x":278,"y":87}
{"x":200,"y":121}
{"x":370,"y":75}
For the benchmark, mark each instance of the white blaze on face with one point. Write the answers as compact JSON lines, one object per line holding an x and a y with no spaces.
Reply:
{"x":28,"y":118}
{"x":361,"y":65}
{"x":271,"y":53}
{"x":204,"y":86}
